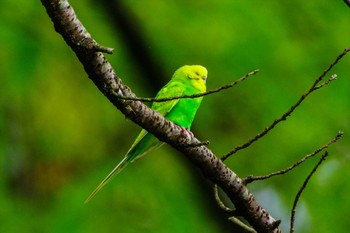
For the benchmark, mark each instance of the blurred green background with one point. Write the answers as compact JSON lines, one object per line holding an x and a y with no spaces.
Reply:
{"x":59,"y":136}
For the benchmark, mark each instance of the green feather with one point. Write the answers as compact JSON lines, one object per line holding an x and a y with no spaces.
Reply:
{"x":187,"y":80}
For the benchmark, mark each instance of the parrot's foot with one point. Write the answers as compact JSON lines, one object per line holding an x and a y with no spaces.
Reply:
{"x":187,"y":134}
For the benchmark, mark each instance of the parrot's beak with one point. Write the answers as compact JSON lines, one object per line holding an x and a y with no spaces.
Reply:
{"x":204,"y":79}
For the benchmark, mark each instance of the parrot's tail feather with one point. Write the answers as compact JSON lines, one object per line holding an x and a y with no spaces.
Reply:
{"x":114,"y":172}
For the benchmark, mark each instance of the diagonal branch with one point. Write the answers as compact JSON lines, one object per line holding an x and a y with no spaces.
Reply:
{"x":103,"y":75}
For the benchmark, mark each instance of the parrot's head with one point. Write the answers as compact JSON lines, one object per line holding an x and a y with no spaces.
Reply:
{"x":195,"y":74}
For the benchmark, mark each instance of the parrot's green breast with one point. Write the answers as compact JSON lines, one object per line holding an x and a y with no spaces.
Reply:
{"x":184,"y":112}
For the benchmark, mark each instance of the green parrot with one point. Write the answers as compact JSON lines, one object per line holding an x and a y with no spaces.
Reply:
{"x":187,"y":80}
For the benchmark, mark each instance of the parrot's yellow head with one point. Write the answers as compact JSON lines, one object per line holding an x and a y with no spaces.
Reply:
{"x":196,"y":74}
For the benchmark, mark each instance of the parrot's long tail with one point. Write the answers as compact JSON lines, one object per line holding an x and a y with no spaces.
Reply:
{"x":114,"y":172}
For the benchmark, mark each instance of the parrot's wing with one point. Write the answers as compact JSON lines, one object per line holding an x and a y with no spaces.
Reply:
{"x":172,"y":89}
{"x":146,"y":142}
{"x":163,"y":108}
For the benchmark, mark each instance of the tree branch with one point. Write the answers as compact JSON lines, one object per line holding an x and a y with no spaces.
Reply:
{"x":102,"y":74}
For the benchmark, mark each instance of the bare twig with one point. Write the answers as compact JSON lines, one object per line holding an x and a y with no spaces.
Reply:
{"x":232,"y":212}
{"x":222,"y":206}
{"x":250,"y":179}
{"x":315,"y":86}
{"x":241,"y":224}
{"x":189,"y":96}
{"x":297,"y":197}
{"x":332,"y":78}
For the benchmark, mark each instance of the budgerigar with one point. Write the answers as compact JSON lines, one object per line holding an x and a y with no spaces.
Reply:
{"x":187,"y":80}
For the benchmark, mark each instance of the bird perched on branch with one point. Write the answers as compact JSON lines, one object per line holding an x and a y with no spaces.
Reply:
{"x":187,"y":80}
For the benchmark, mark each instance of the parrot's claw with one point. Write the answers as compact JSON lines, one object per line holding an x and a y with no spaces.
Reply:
{"x":187,"y":134}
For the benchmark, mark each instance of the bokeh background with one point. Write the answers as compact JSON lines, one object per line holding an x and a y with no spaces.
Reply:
{"x":59,"y":136}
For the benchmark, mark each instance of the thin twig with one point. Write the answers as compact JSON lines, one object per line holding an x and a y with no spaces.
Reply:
{"x":250,"y":179}
{"x":218,"y":200}
{"x":297,"y":197}
{"x":241,"y":224}
{"x":332,"y":78}
{"x":231,"y":212}
{"x":315,"y":86}
{"x":189,"y":96}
